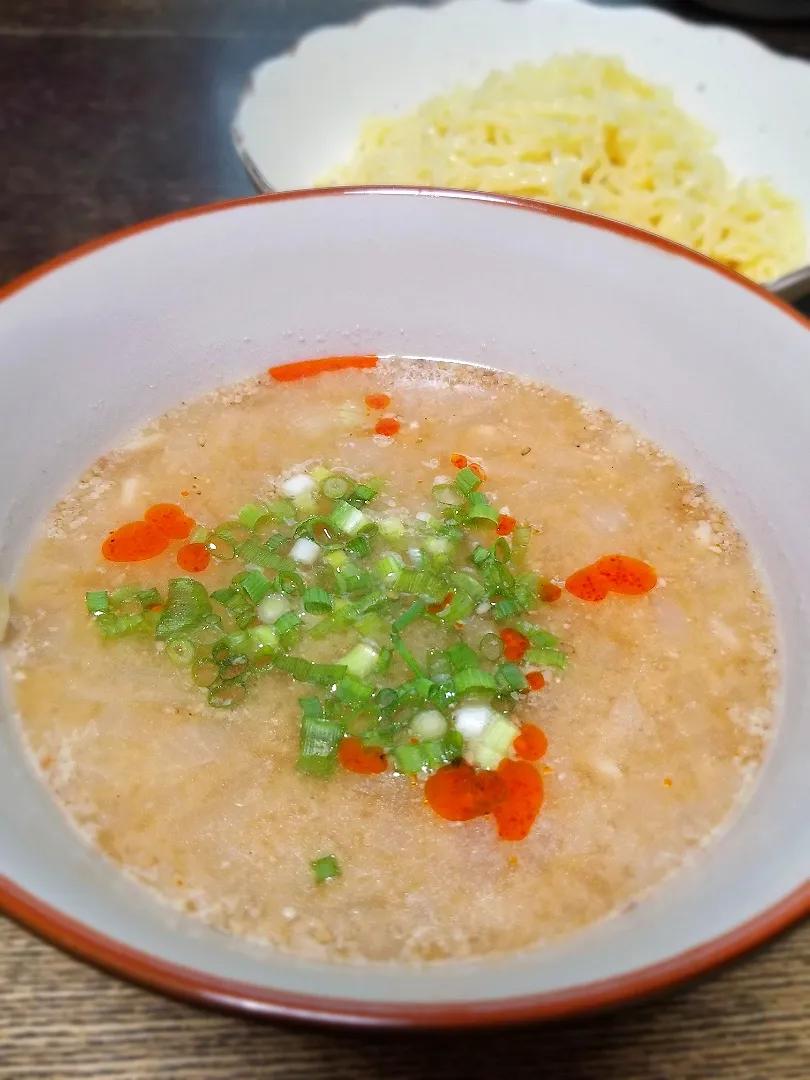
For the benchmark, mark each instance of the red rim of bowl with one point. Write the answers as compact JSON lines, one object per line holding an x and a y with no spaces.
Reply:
{"x":198,"y":987}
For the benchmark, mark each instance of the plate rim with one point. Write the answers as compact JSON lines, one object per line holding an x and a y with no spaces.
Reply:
{"x":228,"y":995}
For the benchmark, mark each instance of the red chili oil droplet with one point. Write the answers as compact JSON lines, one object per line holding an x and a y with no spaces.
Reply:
{"x":516,"y":814}
{"x":535,"y":679}
{"x":434,"y":609}
{"x":458,"y":461}
{"x":355,"y":756}
{"x":626,"y":575}
{"x":612,"y":573}
{"x":515,"y":644}
{"x":170,"y":519}
{"x":458,"y":793}
{"x":531,"y":743}
{"x":506,"y":525}
{"x":378,"y":401}
{"x":194,"y":558}
{"x":387,"y":425}
{"x":136,"y":541}
{"x":450,"y":792}
{"x":549,"y":592}
{"x":587,"y":584}
{"x":305,"y":369}
{"x":479,"y":472}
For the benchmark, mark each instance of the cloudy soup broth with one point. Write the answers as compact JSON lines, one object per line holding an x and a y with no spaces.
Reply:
{"x":393,"y":661}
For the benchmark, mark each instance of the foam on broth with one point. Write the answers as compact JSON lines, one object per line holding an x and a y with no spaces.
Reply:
{"x":655,"y":729}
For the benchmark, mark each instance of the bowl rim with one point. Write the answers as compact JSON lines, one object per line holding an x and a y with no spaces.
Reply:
{"x":248,"y":998}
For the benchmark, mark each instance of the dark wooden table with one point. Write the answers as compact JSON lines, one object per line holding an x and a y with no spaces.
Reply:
{"x":112,"y":111}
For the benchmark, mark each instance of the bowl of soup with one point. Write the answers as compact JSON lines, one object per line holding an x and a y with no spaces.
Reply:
{"x":406,"y":608}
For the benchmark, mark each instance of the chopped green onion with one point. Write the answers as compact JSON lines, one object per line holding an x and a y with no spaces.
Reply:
{"x":359,"y":546}
{"x":505,"y":609}
{"x":501,"y":550}
{"x":149,"y":598}
{"x":234,"y":667}
{"x":429,"y":725}
{"x":415,"y":611}
{"x":480,"y":554}
{"x":461,"y":656}
{"x":386,"y":699}
{"x":187,"y":605}
{"x":199,"y":534}
{"x":491,"y":647}
{"x":511,"y":678}
{"x":389,"y":567}
{"x":438,"y":752}
{"x":220,"y":548}
{"x":313,"y":528}
{"x":447,"y":495}
{"x":325,"y":869}
{"x":256,"y":585}
{"x":291,"y":582}
{"x":384,"y":661}
{"x":311,"y":707}
{"x":348,"y":519}
{"x":281,"y":510}
{"x":392,"y":528}
{"x":361,"y":660}
{"x":353,"y":691}
{"x":467,"y":583}
{"x":286,"y":622}
{"x":271,"y":608}
{"x":521,"y":538}
{"x":543,"y":657}
{"x":204,"y":672}
{"x":317,"y":601}
{"x":252,"y":513}
{"x":226,"y":695}
{"x":97,"y":602}
{"x":492,"y":746}
{"x":336,"y":559}
{"x":362,"y":494}
{"x":180,"y":651}
{"x":223,"y":596}
{"x":328,"y":675}
{"x":406,"y":654}
{"x":416,"y":690}
{"x":467,"y":481}
{"x":480,"y":509}
{"x":263,"y":639}
{"x":459,"y":609}
{"x":537,"y":635}
{"x":208,"y":632}
{"x":115,"y":626}
{"x":409,"y":759}
{"x":317,"y":747}
{"x":336,"y":487}
{"x":475,"y":681}
{"x":234,"y":531}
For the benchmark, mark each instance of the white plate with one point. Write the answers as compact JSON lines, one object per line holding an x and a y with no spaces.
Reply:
{"x":301,"y":113}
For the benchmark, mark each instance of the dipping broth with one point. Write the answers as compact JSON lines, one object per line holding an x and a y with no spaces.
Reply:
{"x":654,"y":689}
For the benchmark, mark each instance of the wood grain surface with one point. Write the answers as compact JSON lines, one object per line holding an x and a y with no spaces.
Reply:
{"x":112,"y":111}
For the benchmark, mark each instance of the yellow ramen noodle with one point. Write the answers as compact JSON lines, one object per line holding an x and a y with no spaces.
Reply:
{"x":582,"y":131}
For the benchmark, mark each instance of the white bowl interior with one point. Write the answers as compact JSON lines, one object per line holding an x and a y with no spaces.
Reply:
{"x":303,"y":111}
{"x":710,"y":369}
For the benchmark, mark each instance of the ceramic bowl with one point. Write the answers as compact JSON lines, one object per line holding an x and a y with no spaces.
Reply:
{"x":711,"y":367}
{"x":289,"y":131}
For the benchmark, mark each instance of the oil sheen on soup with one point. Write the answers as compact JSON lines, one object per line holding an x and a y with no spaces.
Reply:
{"x":393,"y":661}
